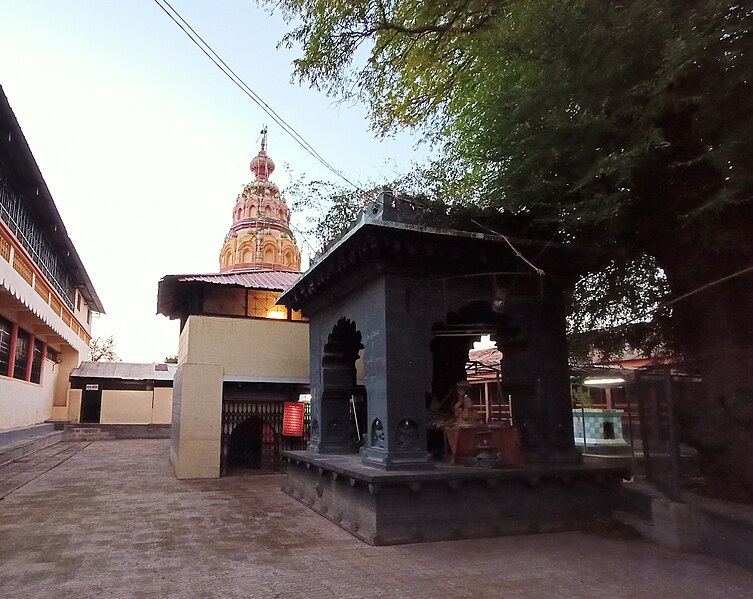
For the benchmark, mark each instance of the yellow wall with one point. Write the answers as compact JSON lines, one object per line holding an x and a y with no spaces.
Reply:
{"x":162,"y":405}
{"x":69,"y":359}
{"x":74,"y":405}
{"x":126,"y":407}
{"x":197,"y":421}
{"x":211,"y":350}
{"x":274,"y":349}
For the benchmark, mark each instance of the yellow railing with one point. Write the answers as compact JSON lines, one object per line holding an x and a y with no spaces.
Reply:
{"x":4,"y":248}
{"x":24,"y":268}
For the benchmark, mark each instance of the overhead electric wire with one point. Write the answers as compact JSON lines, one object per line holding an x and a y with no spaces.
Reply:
{"x":686,"y":295}
{"x":538,"y":270}
{"x":244,"y":87}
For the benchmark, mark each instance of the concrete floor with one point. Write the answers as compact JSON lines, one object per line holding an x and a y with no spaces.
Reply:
{"x":107,"y":519}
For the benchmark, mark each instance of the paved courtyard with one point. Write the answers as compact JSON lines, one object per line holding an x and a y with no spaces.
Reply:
{"x":107,"y":519}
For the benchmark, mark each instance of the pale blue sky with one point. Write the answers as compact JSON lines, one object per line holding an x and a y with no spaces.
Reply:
{"x":145,"y":144}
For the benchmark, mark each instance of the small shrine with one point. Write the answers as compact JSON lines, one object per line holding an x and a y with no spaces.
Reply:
{"x":407,"y":297}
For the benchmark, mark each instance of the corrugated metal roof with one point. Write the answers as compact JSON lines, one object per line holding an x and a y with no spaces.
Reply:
{"x":125,"y":370}
{"x":271,"y":280}
{"x":172,"y":288}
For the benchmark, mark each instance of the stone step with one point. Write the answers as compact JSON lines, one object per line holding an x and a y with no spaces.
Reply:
{"x":83,"y":432}
{"x":23,"y":447}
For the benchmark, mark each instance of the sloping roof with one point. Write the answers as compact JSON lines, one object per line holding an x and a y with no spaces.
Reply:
{"x":125,"y":370}
{"x":171,"y":287}
{"x":268,"y":280}
{"x":18,"y":154}
{"x":490,"y":356}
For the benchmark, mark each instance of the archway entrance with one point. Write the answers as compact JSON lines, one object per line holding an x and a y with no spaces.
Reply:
{"x":343,"y":402}
{"x":253,"y":446}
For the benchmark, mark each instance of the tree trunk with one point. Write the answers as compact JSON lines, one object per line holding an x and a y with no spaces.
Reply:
{"x":715,"y":331}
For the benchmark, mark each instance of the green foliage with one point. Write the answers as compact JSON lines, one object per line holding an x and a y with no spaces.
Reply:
{"x":616,"y":310}
{"x":171,"y":359}
{"x":624,"y":126}
{"x":581,"y":398}
{"x":583,"y":111}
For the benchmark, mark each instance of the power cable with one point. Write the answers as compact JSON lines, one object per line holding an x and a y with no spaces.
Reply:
{"x":244,"y":87}
{"x":539,"y":271}
{"x":686,"y":295}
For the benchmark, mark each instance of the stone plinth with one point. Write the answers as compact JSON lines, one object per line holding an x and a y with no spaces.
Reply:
{"x":448,"y":502}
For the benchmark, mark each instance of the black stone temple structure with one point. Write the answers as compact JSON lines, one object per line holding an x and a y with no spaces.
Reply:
{"x":410,"y":298}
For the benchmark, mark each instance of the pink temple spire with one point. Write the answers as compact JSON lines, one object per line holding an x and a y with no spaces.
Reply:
{"x":262,"y":165}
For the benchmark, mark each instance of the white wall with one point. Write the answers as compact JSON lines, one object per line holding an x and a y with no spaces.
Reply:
{"x":23,"y":404}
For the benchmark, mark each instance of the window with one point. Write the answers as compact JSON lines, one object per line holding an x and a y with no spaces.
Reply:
{"x":88,"y":315}
{"x":52,"y":355}
{"x":78,"y":301}
{"x":261,"y":304}
{"x":6,"y":329}
{"x":36,"y":362}
{"x":22,"y":355}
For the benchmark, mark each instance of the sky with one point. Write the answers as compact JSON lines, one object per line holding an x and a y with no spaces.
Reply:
{"x":145,"y":144}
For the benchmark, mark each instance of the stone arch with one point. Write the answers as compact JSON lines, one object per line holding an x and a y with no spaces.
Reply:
{"x":339,"y":384}
{"x":267,"y":211}
{"x":269,"y":253}
{"x":246,"y":252}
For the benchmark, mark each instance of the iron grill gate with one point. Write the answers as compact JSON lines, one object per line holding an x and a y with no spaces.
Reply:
{"x":659,"y":394}
{"x":258,"y":450}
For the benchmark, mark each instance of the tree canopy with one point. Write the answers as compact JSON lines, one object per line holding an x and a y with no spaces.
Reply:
{"x":102,"y":349}
{"x":584,"y":111}
{"x":621,"y":125}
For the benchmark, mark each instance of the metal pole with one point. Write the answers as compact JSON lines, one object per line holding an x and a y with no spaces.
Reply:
{"x":583,"y":424}
{"x":674,"y":446}
{"x":628,"y":393}
{"x":355,"y":417}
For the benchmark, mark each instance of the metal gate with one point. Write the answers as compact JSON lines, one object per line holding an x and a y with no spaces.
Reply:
{"x":658,"y":394}
{"x":252,"y":438}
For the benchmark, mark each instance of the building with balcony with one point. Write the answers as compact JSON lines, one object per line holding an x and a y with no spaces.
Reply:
{"x":46,"y":296}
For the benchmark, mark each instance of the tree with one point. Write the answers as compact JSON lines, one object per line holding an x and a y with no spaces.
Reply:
{"x":620,"y":125}
{"x":171,"y":359}
{"x":102,"y":349}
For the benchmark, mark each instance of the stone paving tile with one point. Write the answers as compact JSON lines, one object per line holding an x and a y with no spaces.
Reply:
{"x":109,"y":520}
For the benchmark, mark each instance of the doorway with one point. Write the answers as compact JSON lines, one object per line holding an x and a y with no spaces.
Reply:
{"x":91,"y":406}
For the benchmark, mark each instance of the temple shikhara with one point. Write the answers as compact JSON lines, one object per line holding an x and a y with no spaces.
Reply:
{"x":260,"y":237}
{"x":242,"y":356}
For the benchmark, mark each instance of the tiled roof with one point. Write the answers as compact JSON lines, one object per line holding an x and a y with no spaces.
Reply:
{"x":125,"y":370}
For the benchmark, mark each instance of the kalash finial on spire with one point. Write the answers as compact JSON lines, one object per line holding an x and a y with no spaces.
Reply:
{"x":262,"y":165}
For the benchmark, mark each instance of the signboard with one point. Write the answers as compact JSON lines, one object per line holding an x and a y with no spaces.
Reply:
{"x":91,"y":387}
{"x":292,"y":419}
